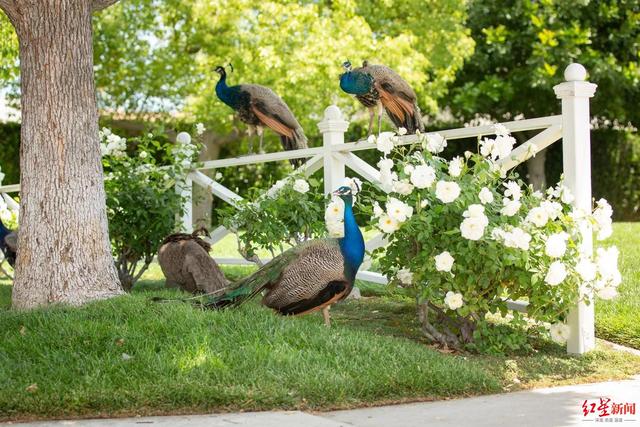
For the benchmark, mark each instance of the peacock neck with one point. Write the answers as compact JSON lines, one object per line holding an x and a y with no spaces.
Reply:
{"x":352,"y":244}
{"x":224,"y":92}
{"x":355,"y":83}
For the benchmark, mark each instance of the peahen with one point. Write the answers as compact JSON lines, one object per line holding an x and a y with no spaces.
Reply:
{"x":259,"y":106}
{"x":308,"y":277}
{"x":378,"y":87}
{"x":8,"y":243}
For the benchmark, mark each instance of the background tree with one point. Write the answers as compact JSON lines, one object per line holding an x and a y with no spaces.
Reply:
{"x":522,"y":48}
{"x":64,"y":254}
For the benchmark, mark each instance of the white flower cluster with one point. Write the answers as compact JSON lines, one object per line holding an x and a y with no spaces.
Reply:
{"x":301,"y":186}
{"x":8,"y":211}
{"x":474,"y":223}
{"x":603,"y":222}
{"x":500,"y":147}
{"x":334,"y":217}
{"x":112,"y":144}
{"x":453,"y":300}
{"x":396,"y":213}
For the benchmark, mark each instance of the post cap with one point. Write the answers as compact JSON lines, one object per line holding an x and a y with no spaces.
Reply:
{"x":332,"y":112}
{"x":575,"y":73}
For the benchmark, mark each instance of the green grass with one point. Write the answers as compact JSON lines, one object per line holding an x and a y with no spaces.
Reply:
{"x":618,"y":320}
{"x":184,"y":360}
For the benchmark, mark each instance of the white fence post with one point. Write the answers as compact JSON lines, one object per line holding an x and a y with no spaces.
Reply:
{"x":184,"y":187}
{"x":333,"y":127}
{"x":576,"y":159}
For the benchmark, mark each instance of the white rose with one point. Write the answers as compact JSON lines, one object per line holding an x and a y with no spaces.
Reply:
{"x":218,"y":176}
{"x":335,"y":210}
{"x":402,"y":131}
{"x":377,"y":210}
{"x":301,"y":186}
{"x":608,"y":292}
{"x":423,"y":176}
{"x":566,"y":196}
{"x":517,"y":238}
{"x":384,"y":142}
{"x":398,"y":210}
{"x":586,"y":269}
{"x":503,"y":146}
{"x":501,"y":130}
{"x":453,"y":300}
{"x":387,"y":178}
{"x":559,"y":332}
{"x":405,"y":276}
{"x":513,"y":190}
{"x":403,"y":187}
{"x":538,"y":216}
{"x":408,"y":169}
{"x":385,"y":164}
{"x":447,"y":191}
{"x":473,"y":211}
{"x":387,"y":224}
{"x":335,"y":228}
{"x":488,"y":148}
{"x":435,"y":143}
{"x":511,"y":207}
{"x":455,"y":166}
{"x":371,"y":139}
{"x":607,"y":261}
{"x":200,"y":129}
{"x":556,"y":274}
{"x":556,"y":245}
{"x":553,"y":209}
{"x":486,"y":196}
{"x":444,"y":261}
{"x":424,"y":203}
{"x":183,"y":138}
{"x":143,"y":154}
{"x":473,"y":228}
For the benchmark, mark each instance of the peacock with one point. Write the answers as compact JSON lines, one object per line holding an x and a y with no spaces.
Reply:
{"x":8,"y":243}
{"x":186,"y":263}
{"x":258,"y":106}
{"x":309,"y":277}
{"x":378,"y":87}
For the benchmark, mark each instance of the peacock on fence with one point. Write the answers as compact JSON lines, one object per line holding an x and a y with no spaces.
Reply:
{"x":378,"y":87}
{"x":259,"y":107}
{"x":309,"y":277}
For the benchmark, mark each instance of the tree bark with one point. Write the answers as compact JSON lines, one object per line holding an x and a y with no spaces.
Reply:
{"x":64,"y":254}
{"x":535,"y":171}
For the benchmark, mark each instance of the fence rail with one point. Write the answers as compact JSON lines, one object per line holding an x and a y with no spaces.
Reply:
{"x":334,"y":156}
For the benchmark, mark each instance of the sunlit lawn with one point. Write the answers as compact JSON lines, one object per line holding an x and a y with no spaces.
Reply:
{"x":129,"y":355}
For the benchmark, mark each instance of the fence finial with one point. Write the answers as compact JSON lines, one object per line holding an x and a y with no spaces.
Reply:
{"x":575,"y":73}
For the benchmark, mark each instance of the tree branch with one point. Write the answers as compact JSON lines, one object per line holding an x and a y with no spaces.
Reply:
{"x":98,"y":4}
{"x":10,"y":7}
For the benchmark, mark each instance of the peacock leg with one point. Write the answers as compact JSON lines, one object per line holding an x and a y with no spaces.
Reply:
{"x":372,"y":114}
{"x":250,"y":132}
{"x":379,"y":118}
{"x":260,"y":131}
{"x":327,"y":316}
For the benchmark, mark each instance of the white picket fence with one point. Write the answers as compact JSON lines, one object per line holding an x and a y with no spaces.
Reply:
{"x":334,"y":156}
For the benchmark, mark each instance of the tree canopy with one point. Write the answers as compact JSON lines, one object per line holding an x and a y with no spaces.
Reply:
{"x":156,"y":56}
{"x":522,"y":48}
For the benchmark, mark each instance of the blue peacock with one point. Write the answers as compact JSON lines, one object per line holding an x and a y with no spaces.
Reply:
{"x":8,"y":243}
{"x":259,"y":107}
{"x":309,"y":277}
{"x":378,"y":87}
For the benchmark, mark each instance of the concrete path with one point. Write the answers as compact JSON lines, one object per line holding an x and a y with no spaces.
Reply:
{"x":556,"y":407}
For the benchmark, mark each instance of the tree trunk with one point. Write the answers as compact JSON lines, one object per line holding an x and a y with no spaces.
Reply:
{"x":535,"y":171}
{"x":64,"y":255}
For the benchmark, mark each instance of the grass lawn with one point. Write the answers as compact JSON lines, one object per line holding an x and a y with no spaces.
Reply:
{"x":618,"y":320}
{"x":129,"y":356}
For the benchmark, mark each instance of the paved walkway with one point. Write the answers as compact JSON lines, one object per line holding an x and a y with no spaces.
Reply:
{"x":551,"y":407}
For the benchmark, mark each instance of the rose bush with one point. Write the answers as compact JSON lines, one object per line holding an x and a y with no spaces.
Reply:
{"x":465,"y":236}
{"x":142,"y":204}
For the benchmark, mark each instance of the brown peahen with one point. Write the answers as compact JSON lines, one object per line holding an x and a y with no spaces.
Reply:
{"x":185,"y":262}
{"x":260,"y":107}
{"x":309,"y":277}
{"x":378,"y":87}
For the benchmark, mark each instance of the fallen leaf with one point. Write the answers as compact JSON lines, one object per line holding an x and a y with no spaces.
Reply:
{"x":32,"y":388}
{"x":120,"y":342}
{"x":23,"y":330}
{"x":125,"y":356}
